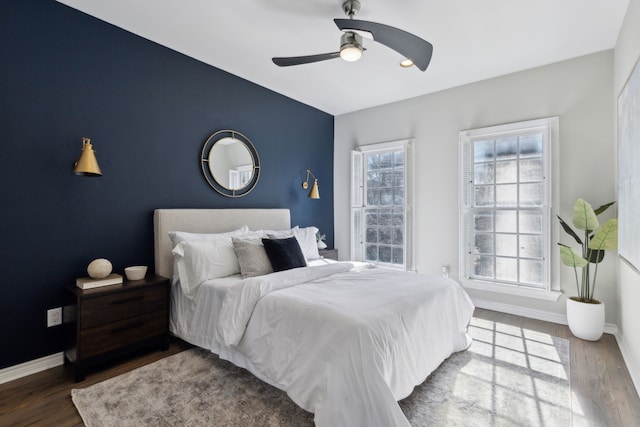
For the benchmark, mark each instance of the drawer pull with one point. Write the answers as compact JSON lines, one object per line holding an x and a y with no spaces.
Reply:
{"x":126,"y":300}
{"x":127,"y":327}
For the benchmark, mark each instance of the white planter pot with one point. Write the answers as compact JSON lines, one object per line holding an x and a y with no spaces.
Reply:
{"x":586,"y":321}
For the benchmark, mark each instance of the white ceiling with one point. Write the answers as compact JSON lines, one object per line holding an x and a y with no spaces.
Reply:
{"x":473,"y":40}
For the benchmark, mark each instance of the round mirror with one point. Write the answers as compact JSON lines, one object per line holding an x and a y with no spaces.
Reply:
{"x":230,"y":163}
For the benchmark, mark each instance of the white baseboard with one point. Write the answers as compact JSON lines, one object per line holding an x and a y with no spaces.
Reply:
{"x":31,"y":367}
{"x":532,"y":313}
{"x":628,"y":361}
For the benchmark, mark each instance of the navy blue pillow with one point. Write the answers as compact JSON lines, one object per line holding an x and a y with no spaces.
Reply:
{"x":284,"y":254}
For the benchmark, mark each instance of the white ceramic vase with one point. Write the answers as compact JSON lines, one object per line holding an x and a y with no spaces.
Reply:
{"x":586,"y":321}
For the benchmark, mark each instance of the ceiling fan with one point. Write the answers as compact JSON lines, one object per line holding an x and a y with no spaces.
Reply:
{"x":416,"y":50}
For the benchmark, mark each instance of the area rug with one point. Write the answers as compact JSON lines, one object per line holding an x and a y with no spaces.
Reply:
{"x":508,"y":377}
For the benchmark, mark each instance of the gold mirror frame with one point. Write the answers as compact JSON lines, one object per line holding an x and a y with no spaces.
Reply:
{"x":205,"y":163}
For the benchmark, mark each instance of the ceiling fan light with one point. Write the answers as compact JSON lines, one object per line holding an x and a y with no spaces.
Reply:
{"x":350,"y":46}
{"x":406,"y":63}
{"x":350,"y":53}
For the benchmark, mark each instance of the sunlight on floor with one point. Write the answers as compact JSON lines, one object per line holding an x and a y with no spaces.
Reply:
{"x":524,"y":372}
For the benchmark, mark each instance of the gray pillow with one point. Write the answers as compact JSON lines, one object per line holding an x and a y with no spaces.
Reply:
{"x":252,"y":257}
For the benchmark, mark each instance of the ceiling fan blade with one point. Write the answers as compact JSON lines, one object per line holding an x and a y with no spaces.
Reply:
{"x":298,"y":60}
{"x":408,"y":45}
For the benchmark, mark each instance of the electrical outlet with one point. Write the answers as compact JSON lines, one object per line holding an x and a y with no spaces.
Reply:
{"x":445,"y":270}
{"x":54,"y":317}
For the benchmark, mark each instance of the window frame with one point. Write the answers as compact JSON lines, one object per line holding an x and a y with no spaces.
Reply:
{"x":550,"y":130}
{"x":359,"y":200}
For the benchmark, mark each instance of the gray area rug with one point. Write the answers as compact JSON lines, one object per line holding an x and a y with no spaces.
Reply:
{"x":508,"y":377}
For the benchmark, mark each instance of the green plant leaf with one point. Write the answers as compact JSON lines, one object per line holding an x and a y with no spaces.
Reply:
{"x":570,"y":257}
{"x":606,"y":237}
{"x":603,"y":208}
{"x":584,"y":218}
{"x":569,"y":230}
{"x":595,"y":256}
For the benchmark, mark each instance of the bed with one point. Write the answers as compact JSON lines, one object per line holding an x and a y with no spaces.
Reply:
{"x":345,"y":341}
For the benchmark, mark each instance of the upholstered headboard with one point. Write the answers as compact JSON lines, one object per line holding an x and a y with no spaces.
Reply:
{"x":208,"y":221}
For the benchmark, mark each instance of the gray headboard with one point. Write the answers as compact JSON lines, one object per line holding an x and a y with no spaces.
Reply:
{"x":208,"y":221}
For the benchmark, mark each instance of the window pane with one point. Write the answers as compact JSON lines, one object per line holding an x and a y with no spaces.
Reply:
{"x":484,"y":244}
{"x":507,"y":269}
{"x":398,"y":236}
{"x":506,"y":172}
{"x":397,"y":255}
{"x":372,"y":217}
{"x":384,"y":235}
{"x":398,"y":218}
{"x":484,"y":195}
{"x":371,"y":253}
{"x":398,"y":178}
{"x":484,"y":173}
{"x":483,"y":151}
{"x":386,"y":179}
{"x":386,"y":160}
{"x":384,"y":216}
{"x":384,"y":254}
{"x":531,"y":194}
{"x":398,"y":156}
{"x":483,"y":266}
{"x":506,"y":221}
{"x":398,"y":196}
{"x":506,"y":148}
{"x":483,"y":221}
{"x":373,"y":162}
{"x":507,"y":245}
{"x":507,"y":195}
{"x":531,"y":246}
{"x":531,"y":170}
{"x":373,"y":180}
{"x":530,"y":222}
{"x":386,"y":197}
{"x":371,"y":235}
{"x":531,"y":272}
{"x":531,"y":145}
{"x":373,"y":197}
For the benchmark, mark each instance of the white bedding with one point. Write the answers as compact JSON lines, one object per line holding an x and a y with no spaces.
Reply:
{"x":344,"y":343}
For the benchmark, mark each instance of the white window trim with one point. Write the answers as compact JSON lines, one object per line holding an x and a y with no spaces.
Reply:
{"x":407,"y":145}
{"x":553,"y":290}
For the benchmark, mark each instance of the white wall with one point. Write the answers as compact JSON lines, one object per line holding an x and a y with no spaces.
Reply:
{"x":579,"y":91}
{"x":626,"y":54}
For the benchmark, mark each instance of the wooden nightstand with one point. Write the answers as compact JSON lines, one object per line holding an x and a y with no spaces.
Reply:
{"x":329,"y":253}
{"x":106,"y":322}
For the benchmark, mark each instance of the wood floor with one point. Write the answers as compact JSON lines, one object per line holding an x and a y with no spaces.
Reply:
{"x":602,"y":391}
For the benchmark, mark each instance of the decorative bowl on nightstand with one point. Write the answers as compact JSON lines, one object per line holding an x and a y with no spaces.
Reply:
{"x":135,"y":272}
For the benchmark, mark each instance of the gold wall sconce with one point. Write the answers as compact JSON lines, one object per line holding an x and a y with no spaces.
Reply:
{"x":87,"y":165}
{"x":314,"y":193}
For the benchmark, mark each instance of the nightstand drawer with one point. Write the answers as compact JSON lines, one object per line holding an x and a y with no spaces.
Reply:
{"x":118,"y":334}
{"x":118,"y":306}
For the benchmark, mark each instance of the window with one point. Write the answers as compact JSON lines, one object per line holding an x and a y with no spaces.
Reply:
{"x":380,"y":197}
{"x":505,"y":190}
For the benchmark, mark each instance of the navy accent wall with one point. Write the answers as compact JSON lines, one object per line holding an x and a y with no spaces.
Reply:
{"x":148,"y":110}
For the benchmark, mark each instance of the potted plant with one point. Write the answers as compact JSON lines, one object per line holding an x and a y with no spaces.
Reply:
{"x":320,"y":238}
{"x":585,"y":314}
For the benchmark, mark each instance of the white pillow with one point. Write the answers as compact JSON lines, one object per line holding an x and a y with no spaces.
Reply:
{"x":307,"y":241}
{"x":180,"y":236}
{"x":198,"y":261}
{"x":183,"y":236}
{"x":275,"y":234}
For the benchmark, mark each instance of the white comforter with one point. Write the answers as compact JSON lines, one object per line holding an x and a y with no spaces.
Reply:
{"x":344,"y":343}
